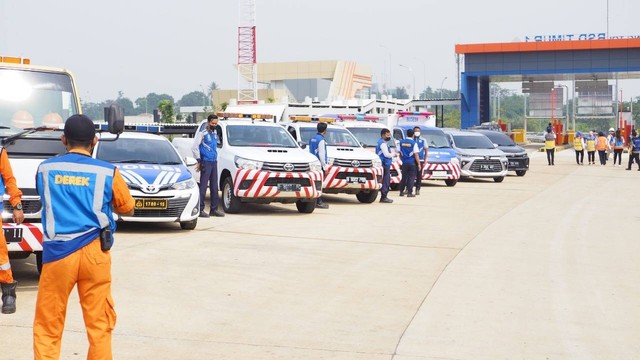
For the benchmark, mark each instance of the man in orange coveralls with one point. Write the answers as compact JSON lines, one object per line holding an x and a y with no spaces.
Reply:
{"x":15,"y":198}
{"x":78,"y":194}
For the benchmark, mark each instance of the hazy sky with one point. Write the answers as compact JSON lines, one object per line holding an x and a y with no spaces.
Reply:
{"x":173,"y":47}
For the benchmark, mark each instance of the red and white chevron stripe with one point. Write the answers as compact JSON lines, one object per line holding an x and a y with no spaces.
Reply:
{"x":330,"y":181}
{"x":259,"y":190}
{"x":397,"y":166}
{"x":454,"y":168}
{"x":31,"y":237}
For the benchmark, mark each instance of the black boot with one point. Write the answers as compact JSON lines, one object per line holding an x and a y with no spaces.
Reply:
{"x":9,"y":297}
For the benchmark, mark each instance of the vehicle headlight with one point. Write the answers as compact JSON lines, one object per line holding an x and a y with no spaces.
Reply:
{"x":376,"y":162}
{"x":455,"y":160}
{"x":246,"y":164}
{"x":330,"y":161}
{"x":315,"y":166}
{"x":184,"y":185}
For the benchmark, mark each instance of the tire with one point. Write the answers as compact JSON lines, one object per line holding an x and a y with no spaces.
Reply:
{"x":521,"y":172}
{"x":230,"y":203}
{"x":367,"y":197}
{"x":189,"y":225}
{"x":451,"y":182}
{"x":39,"y":261}
{"x":305,"y":207}
{"x":394,"y":187}
{"x":498,"y":179}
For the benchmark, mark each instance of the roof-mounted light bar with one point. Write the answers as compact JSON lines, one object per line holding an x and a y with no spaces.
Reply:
{"x":414,"y":113}
{"x":226,"y":115}
{"x":14,"y":60}
{"x":359,"y":117}
{"x":311,"y":118}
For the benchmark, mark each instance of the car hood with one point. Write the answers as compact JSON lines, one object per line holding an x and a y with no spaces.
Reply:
{"x":274,"y":154}
{"x":351,"y":153}
{"x":440,"y":155}
{"x":24,"y":170}
{"x":151,"y":174}
{"x":512,"y":149}
{"x":481,"y":152}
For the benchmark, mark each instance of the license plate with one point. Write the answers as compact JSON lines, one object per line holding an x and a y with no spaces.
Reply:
{"x":289,"y":187}
{"x":150,"y":204}
{"x":356,"y":180}
{"x":439,"y":173}
{"x":13,"y":235}
{"x":513,"y":163}
{"x":486,"y":167}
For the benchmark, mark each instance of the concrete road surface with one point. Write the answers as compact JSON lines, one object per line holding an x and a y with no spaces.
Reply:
{"x":544,"y":266}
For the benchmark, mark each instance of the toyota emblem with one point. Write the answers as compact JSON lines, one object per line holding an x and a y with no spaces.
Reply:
{"x":289,"y":167}
{"x":151,"y":189}
{"x":487,"y":157}
{"x":355,"y":163}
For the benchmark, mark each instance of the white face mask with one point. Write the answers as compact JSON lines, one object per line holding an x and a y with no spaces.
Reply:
{"x":416,"y":134}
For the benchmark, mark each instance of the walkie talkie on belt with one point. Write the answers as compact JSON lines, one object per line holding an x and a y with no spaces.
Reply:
{"x":106,"y":240}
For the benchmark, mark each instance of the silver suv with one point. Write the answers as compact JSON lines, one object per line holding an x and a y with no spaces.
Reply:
{"x":478,"y":156}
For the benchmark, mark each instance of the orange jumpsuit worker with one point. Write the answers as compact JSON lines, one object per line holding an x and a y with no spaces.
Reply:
{"x":15,"y":198}
{"x":79,"y":195}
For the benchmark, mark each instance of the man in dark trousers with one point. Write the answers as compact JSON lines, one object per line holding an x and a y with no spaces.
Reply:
{"x":410,"y":161}
{"x":318,"y":147}
{"x":205,"y":149}
{"x":382,"y":150}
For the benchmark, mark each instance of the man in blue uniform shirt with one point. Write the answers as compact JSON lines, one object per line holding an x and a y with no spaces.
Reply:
{"x":382,"y":149}
{"x":410,"y":161}
{"x":205,"y":149}
{"x":423,"y":149}
{"x":318,"y":147}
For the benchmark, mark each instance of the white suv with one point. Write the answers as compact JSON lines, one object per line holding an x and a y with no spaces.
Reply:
{"x":352,"y":169}
{"x":259,"y":162}
{"x":478,"y":156}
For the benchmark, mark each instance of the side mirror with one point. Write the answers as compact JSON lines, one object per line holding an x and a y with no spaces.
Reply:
{"x":190,"y":161}
{"x":363,"y":144}
{"x":495,"y":146}
{"x":114,"y":116}
{"x":302,"y":145}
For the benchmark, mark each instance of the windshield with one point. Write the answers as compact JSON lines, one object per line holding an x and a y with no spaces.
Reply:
{"x":499,"y":138}
{"x":435,"y":139}
{"x":144,"y":151}
{"x":333,"y":137}
{"x":369,"y":136}
{"x":262,"y":136}
{"x":472,"y":142}
{"x":34,"y":98}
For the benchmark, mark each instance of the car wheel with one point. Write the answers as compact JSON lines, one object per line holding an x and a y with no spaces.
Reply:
{"x":521,"y":172}
{"x":230,"y":203}
{"x":189,"y":225}
{"x":498,"y":179}
{"x":367,"y":197}
{"x":306,"y":207}
{"x":39,"y":261}
{"x":451,"y":182}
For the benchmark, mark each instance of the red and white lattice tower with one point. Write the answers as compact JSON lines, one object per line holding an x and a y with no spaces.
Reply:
{"x":247,"y":67}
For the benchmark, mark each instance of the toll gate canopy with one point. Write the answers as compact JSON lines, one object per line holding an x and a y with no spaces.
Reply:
{"x":591,"y":63}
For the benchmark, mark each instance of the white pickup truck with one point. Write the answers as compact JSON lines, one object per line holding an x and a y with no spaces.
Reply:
{"x":259,"y":162}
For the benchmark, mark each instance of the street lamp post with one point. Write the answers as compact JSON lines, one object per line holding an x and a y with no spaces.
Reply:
{"x":424,"y":76}
{"x":413,"y":89}
{"x":441,"y":85}
{"x":389,"y":74}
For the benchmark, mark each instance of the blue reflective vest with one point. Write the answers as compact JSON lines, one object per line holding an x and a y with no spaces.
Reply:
{"x":385,"y":160}
{"x":421,"y":144}
{"x":314,"y":143}
{"x":76,"y":192}
{"x":209,"y":146}
{"x":406,"y":150}
{"x":636,"y":144}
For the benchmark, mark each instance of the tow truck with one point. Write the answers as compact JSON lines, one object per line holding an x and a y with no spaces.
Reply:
{"x":260,"y":162}
{"x":366,"y":128}
{"x":34,"y":101}
{"x":352,"y":169}
{"x":442,"y":162}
